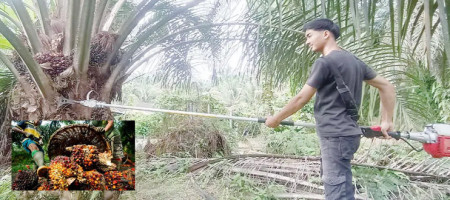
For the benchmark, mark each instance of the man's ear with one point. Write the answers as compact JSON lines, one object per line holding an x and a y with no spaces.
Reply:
{"x":326,"y":34}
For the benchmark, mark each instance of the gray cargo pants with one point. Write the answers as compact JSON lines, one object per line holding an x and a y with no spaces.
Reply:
{"x":336,"y":153}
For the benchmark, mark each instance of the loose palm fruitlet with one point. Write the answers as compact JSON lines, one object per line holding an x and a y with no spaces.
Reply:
{"x":83,"y":170}
{"x":92,"y":180}
{"x":120,"y":180}
{"x":43,"y":184}
{"x":63,"y":172}
{"x":25,"y":180}
{"x":84,"y":155}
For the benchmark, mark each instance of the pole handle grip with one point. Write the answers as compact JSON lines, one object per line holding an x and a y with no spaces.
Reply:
{"x":287,"y":123}
{"x":375,"y":131}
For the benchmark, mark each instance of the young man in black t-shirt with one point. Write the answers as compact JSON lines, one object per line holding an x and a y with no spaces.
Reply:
{"x":339,"y":135}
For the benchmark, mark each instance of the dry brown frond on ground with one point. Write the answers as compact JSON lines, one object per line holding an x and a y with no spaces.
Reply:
{"x":194,"y":138}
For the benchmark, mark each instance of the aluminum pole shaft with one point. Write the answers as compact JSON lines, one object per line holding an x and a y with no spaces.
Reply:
{"x":259,"y":120}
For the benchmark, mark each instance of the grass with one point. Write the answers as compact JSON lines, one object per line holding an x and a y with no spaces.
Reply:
{"x":293,"y":142}
{"x":21,"y":158}
{"x":5,"y":184}
{"x":159,"y":180}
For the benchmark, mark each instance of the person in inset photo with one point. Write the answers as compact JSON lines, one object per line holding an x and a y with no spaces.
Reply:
{"x":113,"y":137}
{"x":31,"y":141}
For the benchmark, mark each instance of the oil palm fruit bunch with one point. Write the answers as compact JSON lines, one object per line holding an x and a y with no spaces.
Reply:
{"x":84,"y":155}
{"x":129,"y":175}
{"x":25,"y":180}
{"x":53,"y":63}
{"x":63,"y":172}
{"x":102,"y":45}
{"x":114,"y":180}
{"x":92,"y":180}
{"x":120,"y":180}
{"x":43,"y":184}
{"x":19,"y":64}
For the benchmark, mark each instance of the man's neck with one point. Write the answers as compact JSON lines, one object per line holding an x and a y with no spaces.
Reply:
{"x":329,"y":48}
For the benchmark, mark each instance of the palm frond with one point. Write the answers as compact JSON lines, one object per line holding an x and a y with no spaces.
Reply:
{"x":158,"y":23}
{"x":112,"y":15}
{"x":84,"y":39}
{"x":72,"y":22}
{"x":6,"y":62}
{"x":44,"y":17}
{"x":99,"y":13}
{"x":444,"y":15}
{"x":128,"y":26}
{"x":37,"y":74}
{"x":28,"y":25}
{"x":7,"y":80}
{"x":11,"y":19}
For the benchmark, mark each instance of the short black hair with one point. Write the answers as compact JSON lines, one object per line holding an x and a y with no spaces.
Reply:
{"x":323,"y":24}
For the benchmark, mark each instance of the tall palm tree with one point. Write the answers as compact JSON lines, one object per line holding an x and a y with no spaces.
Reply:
{"x":68,"y":48}
{"x":60,"y":48}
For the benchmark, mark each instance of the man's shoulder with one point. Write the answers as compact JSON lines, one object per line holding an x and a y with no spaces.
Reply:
{"x":339,"y":54}
{"x":321,"y":61}
{"x":344,"y":57}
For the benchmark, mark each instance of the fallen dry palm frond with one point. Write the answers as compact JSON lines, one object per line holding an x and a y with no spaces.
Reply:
{"x":204,"y":163}
{"x":410,"y":173}
{"x":436,"y":169}
{"x":303,"y":195}
{"x":302,"y":174}
{"x":280,"y":178}
{"x":399,"y":157}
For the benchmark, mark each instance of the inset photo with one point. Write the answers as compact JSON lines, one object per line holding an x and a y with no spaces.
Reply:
{"x":73,"y":155}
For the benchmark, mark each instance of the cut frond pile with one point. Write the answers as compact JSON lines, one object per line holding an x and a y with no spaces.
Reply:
{"x":192,"y":138}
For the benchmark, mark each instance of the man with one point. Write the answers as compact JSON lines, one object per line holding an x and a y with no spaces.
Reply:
{"x":113,"y":137}
{"x":32,"y":142}
{"x":339,"y":134}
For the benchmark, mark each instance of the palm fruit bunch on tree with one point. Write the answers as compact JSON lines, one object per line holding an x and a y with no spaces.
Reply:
{"x":25,"y":180}
{"x":63,"y":172}
{"x":84,"y":155}
{"x":54,"y":63}
{"x":102,"y":45}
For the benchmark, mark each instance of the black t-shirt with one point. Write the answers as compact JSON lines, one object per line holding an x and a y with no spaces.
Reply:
{"x":329,"y":109}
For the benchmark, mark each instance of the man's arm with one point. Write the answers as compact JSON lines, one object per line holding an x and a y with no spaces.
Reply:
{"x":293,"y":106}
{"x":28,"y":135}
{"x":388,"y":98}
{"x":109,"y":125}
{"x":21,"y":131}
